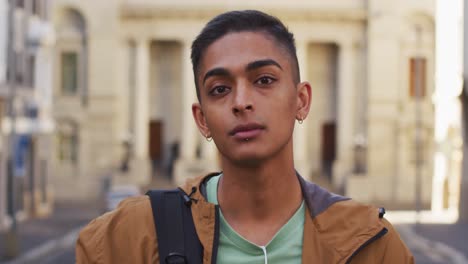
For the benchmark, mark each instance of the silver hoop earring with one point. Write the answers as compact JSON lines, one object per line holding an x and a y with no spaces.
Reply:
{"x":208,"y":138}
{"x":300,"y":120}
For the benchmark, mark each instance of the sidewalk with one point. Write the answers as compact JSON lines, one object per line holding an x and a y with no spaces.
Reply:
{"x":436,"y":243}
{"x":455,"y":235}
{"x":34,"y":233}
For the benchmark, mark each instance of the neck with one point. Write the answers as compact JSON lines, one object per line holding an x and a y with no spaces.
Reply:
{"x":268,"y":192}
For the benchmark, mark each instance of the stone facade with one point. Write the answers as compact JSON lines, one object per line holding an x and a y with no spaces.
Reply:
{"x":395,"y":120}
{"x":27,"y":138}
{"x":363,"y":58}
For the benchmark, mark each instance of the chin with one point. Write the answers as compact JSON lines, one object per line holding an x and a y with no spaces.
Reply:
{"x":251,"y":158}
{"x":252,"y":154}
{"x":247,"y":162}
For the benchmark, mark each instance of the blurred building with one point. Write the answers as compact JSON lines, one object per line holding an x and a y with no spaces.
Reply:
{"x":463,"y":205}
{"x":25,"y":90}
{"x":447,"y":182}
{"x":124,"y":88}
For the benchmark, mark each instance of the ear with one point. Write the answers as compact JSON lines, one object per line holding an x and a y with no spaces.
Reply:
{"x":304,"y":99}
{"x":200,"y":120}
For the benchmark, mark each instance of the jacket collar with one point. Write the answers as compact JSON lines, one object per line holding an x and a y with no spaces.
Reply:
{"x":317,"y":198}
{"x":337,"y":227}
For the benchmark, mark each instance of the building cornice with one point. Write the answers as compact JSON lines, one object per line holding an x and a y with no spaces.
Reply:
{"x":131,"y":11}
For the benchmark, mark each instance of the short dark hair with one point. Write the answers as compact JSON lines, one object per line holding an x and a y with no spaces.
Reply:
{"x":239,"y":21}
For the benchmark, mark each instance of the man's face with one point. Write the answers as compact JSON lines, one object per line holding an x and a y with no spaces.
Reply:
{"x":249,"y":101}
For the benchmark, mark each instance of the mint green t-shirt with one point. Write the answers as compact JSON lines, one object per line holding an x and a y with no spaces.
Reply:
{"x":285,"y":246}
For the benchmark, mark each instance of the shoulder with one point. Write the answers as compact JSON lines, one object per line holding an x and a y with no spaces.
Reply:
{"x":386,"y":250}
{"x":125,"y":235}
{"x":357,"y":230}
{"x":347,"y":223}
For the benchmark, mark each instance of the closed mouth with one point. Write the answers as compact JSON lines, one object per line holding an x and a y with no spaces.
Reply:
{"x":246,"y":128}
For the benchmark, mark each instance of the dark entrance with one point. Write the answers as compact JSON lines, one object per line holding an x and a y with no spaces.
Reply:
{"x":156,"y":144}
{"x":328,"y":150}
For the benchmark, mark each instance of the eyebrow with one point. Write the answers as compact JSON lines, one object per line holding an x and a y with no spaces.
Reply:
{"x":262,"y":63}
{"x":250,"y":67}
{"x":216,"y":72}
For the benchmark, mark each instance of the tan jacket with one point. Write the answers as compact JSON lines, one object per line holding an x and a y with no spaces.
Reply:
{"x":336,"y":230}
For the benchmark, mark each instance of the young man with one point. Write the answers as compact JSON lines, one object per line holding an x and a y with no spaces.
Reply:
{"x":258,"y":210}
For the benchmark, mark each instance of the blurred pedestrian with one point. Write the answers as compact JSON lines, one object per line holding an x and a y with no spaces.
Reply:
{"x":126,"y":157}
{"x":258,"y":209}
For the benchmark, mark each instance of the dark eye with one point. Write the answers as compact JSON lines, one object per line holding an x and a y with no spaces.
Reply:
{"x":219,"y":90}
{"x":265,"y":80}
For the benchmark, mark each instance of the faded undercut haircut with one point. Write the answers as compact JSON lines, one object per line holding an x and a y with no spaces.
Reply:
{"x":241,"y":21}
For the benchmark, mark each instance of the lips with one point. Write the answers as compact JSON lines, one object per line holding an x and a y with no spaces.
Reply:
{"x":246,"y":131}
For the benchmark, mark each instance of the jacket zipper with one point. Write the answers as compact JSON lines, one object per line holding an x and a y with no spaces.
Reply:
{"x":372,"y":239}
{"x":214,"y":254}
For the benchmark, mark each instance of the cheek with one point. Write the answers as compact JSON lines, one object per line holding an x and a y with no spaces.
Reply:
{"x":286,"y":105}
{"x":285,"y":114}
{"x":215,"y":122}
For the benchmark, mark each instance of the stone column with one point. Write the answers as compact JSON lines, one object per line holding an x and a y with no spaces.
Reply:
{"x":43,"y":86}
{"x":210,"y":156}
{"x":209,"y":150}
{"x":44,"y":79}
{"x":3,"y":39}
{"x":141,"y":164}
{"x":301,"y":160}
{"x":345,"y":104}
{"x":141,"y":99}
{"x":384,"y":70}
{"x":3,"y":60}
{"x":187,"y":166}
{"x":3,"y":66}
{"x":189,"y":130}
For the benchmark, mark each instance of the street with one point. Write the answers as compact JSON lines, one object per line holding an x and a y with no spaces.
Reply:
{"x":429,"y":243}
{"x":51,"y":240}
{"x":65,"y":256}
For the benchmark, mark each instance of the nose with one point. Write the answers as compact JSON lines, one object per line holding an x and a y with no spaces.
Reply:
{"x":243,"y":100}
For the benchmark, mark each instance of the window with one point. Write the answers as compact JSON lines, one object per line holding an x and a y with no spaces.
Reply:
{"x":31,"y":64}
{"x":19,"y":63}
{"x":67,"y":138}
{"x":35,"y":7}
{"x":69,"y":73}
{"x":72,"y":58}
{"x":39,"y":8}
{"x":20,"y":3}
{"x":417,"y":77}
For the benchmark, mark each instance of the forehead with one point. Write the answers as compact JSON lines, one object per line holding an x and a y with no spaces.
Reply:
{"x":240,"y":48}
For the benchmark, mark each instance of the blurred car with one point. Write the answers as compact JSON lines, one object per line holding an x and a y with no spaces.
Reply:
{"x":118,"y":193}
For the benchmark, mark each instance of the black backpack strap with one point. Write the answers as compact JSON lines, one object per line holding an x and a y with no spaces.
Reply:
{"x":178,"y":242}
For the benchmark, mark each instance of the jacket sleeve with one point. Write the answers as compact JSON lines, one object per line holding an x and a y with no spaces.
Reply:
{"x":395,"y":251}
{"x":89,"y":245}
{"x":125,"y":235}
{"x":389,"y":249}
